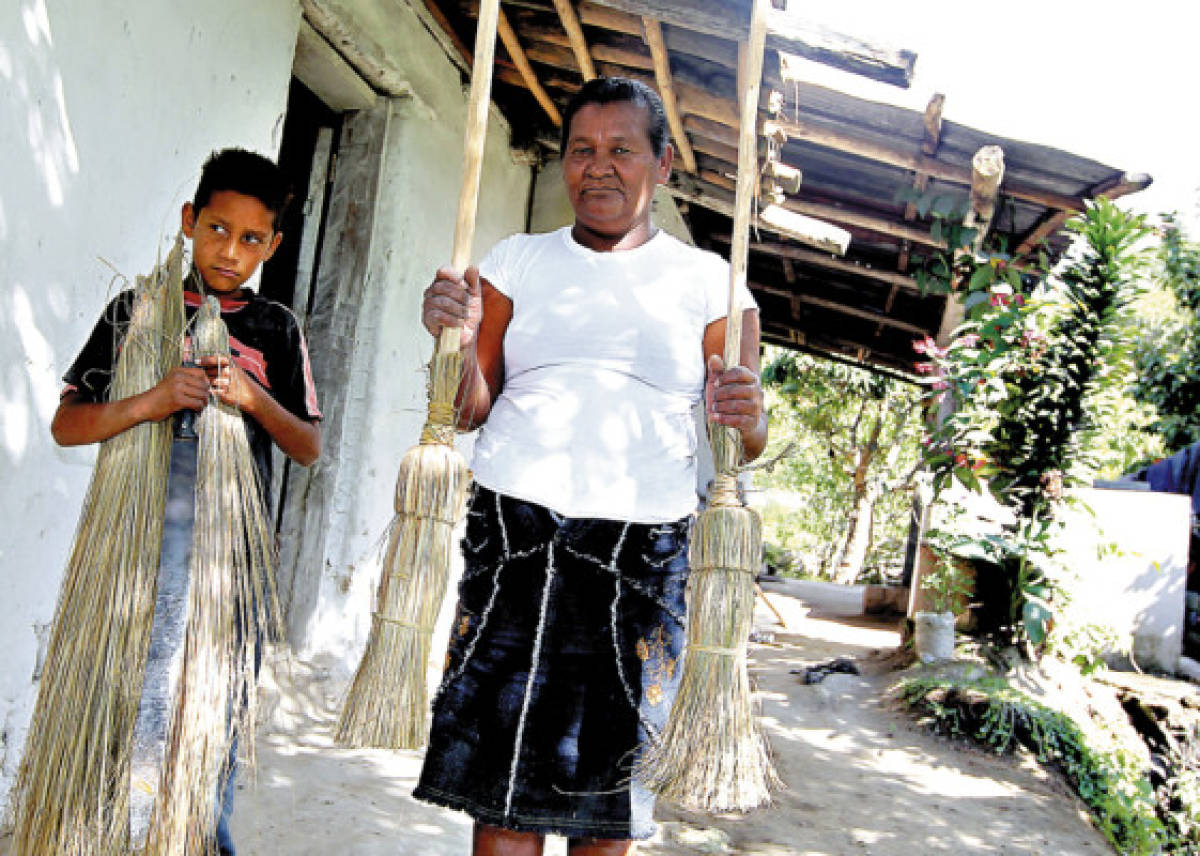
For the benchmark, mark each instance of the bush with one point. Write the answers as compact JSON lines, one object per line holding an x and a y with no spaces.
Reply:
{"x":994,"y":714}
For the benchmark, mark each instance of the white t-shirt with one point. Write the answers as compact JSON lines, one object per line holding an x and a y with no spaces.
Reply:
{"x":603,"y":361}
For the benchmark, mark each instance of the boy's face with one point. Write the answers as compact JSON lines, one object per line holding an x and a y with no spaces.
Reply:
{"x":231,"y":236}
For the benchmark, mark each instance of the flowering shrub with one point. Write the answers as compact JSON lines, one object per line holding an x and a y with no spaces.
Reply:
{"x":1012,"y":391}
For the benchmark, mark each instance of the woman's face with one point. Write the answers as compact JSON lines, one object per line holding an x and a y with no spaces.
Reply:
{"x":610,"y":168}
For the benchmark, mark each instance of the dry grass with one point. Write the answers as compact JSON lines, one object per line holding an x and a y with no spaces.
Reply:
{"x":386,"y":706}
{"x":231,"y":611}
{"x":71,"y":793}
{"x":711,"y":755}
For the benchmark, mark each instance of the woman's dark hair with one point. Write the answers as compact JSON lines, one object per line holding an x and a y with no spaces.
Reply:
{"x":607,"y":90}
{"x":248,"y":173}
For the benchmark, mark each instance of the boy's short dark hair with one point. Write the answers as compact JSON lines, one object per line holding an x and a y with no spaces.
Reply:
{"x":607,"y":90}
{"x":248,"y":173}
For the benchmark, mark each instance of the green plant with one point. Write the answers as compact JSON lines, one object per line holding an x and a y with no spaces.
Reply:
{"x":855,"y":438}
{"x":1084,"y":644}
{"x":947,"y":584}
{"x":1022,"y":378}
{"x":1111,"y":782}
{"x":1168,"y":348}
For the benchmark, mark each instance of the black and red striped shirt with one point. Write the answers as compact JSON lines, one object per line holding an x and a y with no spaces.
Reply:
{"x":265,"y":341}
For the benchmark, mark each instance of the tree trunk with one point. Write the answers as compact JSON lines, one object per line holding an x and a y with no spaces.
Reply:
{"x":858,"y":534}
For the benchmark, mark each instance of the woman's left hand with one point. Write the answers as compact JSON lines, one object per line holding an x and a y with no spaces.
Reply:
{"x":733,"y":397}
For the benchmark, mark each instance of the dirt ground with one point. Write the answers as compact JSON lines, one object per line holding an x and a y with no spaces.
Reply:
{"x":860,"y":777}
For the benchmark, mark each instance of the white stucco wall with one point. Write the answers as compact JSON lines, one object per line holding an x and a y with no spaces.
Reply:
{"x":107,"y":111}
{"x":1128,"y":556}
{"x":413,"y":232}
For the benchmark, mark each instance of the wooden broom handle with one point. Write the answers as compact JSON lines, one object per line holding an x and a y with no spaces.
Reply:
{"x":747,"y":178}
{"x":476,"y":135}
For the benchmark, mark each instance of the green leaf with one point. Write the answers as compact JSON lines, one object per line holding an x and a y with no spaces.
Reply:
{"x":1036,"y":618}
{"x":981,"y":278}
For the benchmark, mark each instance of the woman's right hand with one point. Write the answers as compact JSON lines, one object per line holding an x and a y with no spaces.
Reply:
{"x":453,"y":300}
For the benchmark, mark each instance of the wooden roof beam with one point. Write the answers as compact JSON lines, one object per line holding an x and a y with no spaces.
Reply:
{"x":784,"y":33}
{"x":715,"y":131}
{"x":832,"y":213}
{"x":809,"y":231}
{"x":507,"y":73}
{"x":570,"y":22}
{"x":833,"y":306}
{"x":666,"y":88}
{"x":517,"y":54}
{"x":809,"y":257}
{"x":712,"y":48}
{"x":837,"y":349}
{"x":609,"y":60}
{"x":1114,"y":188}
{"x":789,"y":253}
{"x":838,"y":141}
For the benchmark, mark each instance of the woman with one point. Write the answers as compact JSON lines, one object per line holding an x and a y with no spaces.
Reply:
{"x":584,"y":350}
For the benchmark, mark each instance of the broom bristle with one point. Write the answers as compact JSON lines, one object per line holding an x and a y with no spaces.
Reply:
{"x":387,"y":703}
{"x":232,"y":609}
{"x":710,"y":756}
{"x":71,"y":793}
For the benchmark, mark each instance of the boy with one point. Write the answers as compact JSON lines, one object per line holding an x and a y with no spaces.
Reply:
{"x":233,"y":226}
{"x":232,"y":223}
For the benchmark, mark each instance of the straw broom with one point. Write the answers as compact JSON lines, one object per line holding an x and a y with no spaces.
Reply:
{"x":387,"y":702}
{"x":71,"y":793}
{"x":231,"y":611}
{"x":710,"y":756}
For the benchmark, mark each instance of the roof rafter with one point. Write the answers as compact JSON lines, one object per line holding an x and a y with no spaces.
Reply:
{"x":517,"y":54}
{"x":652,"y":33}
{"x":784,"y":33}
{"x":570,"y":22}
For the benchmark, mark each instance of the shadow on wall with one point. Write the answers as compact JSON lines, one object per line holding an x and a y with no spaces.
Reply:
{"x":40,"y":162}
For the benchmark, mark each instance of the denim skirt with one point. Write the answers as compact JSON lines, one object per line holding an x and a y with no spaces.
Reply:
{"x":563,"y":661}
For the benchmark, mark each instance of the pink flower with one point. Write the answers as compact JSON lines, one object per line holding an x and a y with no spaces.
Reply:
{"x":923,"y":368}
{"x":968,"y":340}
{"x":927,"y":345}
{"x":940,"y":384}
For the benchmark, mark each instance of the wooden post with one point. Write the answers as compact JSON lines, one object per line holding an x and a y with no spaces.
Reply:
{"x":987,"y":171}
